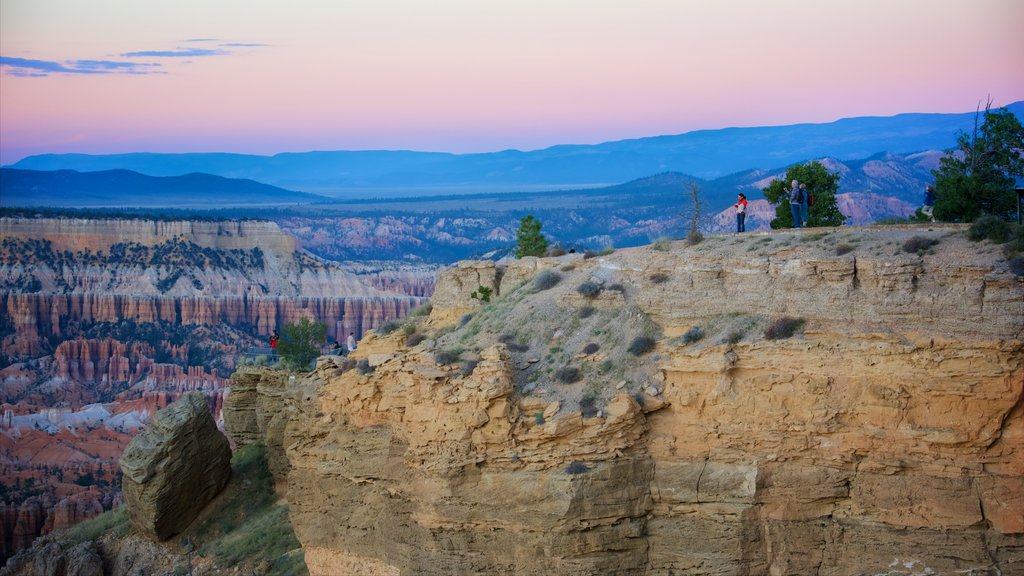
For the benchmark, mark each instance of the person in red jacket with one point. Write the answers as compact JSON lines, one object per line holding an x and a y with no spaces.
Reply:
{"x":273,"y":340}
{"x":741,"y":213}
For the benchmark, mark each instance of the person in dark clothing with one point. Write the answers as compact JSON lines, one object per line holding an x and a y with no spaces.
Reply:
{"x":796,"y":202}
{"x":929,"y":203}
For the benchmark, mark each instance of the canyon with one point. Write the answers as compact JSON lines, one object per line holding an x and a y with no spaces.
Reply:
{"x":105,"y":321}
{"x":822,"y":401}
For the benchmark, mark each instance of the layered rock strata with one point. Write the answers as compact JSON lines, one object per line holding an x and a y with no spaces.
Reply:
{"x":884,"y":437}
{"x":174,"y":468}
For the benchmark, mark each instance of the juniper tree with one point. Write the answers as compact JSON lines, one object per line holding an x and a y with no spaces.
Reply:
{"x":821,"y":185}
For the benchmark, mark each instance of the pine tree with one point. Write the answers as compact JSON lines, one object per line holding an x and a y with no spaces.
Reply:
{"x":821,"y":185}
{"x":530,"y":241}
{"x":978,"y":176}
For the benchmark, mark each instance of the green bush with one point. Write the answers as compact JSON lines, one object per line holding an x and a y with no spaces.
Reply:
{"x":587,"y":311}
{"x":658,"y":278}
{"x":991,"y":228}
{"x":388,"y":327}
{"x":591,"y":348}
{"x":662,"y":244}
{"x":300,"y":343}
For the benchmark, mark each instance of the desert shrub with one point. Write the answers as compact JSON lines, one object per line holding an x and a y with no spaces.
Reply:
{"x":605,"y":366}
{"x":617,"y":287}
{"x":589,"y":254}
{"x":567,"y":374}
{"x":591,"y":348}
{"x":589,"y":289}
{"x":607,"y":250}
{"x":1015,"y":245}
{"x":694,"y":237}
{"x":538,"y":418}
{"x":1017,"y":265}
{"x":844,"y":248}
{"x":468,"y":367}
{"x":989,"y":227}
{"x":588,"y":404}
{"x":639,"y":398}
{"x":510,"y":342}
{"x":641,"y":345}
{"x":555,"y":251}
{"x":658,"y":278}
{"x":546,"y":279}
{"x":448,"y":356}
{"x":587,"y":311}
{"x":423,"y":310}
{"x":918,"y":244}
{"x":783,"y":328}
{"x":388,"y":327}
{"x":300,"y":343}
{"x":576,"y":467}
{"x":465,"y":319}
{"x":409,"y":329}
{"x":662,"y":244}
{"x":692,"y":335}
{"x":733,"y":336}
{"x":568,"y":268}
{"x":414,"y":339}
{"x":363,"y":366}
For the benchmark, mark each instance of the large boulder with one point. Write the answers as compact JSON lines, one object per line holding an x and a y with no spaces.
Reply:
{"x":174,"y":468}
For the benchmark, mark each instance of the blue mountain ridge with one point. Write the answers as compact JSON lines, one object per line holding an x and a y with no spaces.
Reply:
{"x":704,"y":153}
{"x":71,"y":188}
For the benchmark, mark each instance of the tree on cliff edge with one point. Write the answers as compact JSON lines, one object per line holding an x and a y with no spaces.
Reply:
{"x":300,"y":343}
{"x":531,"y":241}
{"x":821,"y":185}
{"x":978,"y":176}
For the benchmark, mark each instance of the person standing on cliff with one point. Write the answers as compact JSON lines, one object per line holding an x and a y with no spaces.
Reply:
{"x":805,"y":205}
{"x":741,"y":213}
{"x":273,"y":340}
{"x":796,"y":200}
{"x":350,"y":342}
{"x":929,"y":203}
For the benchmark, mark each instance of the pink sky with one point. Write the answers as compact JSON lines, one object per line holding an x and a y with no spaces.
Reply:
{"x":479,"y":76}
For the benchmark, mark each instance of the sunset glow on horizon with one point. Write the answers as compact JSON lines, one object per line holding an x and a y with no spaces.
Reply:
{"x":115,"y":76}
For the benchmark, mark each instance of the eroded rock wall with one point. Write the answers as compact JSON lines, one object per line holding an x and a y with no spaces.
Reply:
{"x":886,"y":437}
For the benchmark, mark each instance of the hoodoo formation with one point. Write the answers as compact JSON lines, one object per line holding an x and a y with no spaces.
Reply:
{"x":748,"y":405}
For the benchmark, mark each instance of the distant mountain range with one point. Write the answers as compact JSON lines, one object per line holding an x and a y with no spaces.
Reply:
{"x":704,"y":153}
{"x":70,"y":188}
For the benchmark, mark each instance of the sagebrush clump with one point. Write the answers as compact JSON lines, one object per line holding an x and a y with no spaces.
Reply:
{"x":918,"y":244}
{"x":641,"y":345}
{"x":567,"y":374}
{"x":783,"y":328}
{"x":589,"y":289}
{"x":546,"y":279}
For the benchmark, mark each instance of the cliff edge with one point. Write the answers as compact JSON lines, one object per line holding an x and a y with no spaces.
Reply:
{"x":842,"y":401}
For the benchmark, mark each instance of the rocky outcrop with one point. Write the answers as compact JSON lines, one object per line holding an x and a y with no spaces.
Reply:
{"x":58,"y":558}
{"x":174,"y":468}
{"x":882,"y":437}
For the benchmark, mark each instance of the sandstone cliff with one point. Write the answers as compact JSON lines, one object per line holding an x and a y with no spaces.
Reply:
{"x":102,"y":322}
{"x":880,"y":433}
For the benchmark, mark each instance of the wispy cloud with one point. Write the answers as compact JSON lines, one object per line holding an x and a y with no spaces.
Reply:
{"x":35,"y":68}
{"x":202,"y":40}
{"x":179,"y":53}
{"x":241,"y":44}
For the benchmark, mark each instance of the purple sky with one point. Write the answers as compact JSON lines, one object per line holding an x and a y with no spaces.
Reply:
{"x":263,"y":77}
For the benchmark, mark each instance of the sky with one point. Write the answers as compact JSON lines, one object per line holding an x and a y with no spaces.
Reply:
{"x":262,"y":77}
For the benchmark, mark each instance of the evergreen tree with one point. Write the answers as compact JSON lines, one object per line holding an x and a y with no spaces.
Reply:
{"x":821,"y":185}
{"x":978,"y":176}
{"x":300,"y":343}
{"x":530,"y":241}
